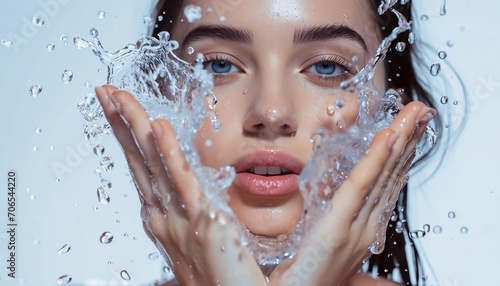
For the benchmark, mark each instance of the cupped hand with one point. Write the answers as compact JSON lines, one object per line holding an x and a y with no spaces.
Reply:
{"x":201,"y":245}
{"x":341,"y":240}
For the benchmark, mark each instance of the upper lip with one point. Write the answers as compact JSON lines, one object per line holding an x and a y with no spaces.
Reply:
{"x":268,"y":158}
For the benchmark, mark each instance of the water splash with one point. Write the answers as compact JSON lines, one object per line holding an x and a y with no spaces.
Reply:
{"x":170,"y":88}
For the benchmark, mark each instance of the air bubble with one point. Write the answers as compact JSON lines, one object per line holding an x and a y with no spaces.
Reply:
{"x":442,"y":55}
{"x":37,"y":21}
{"x":435,"y":69}
{"x":64,"y":279}
{"x":444,"y":99}
{"x":35,"y":90}
{"x":50,"y":47}
{"x":106,"y":237}
{"x":67,"y":76}
{"x":125,"y":276}
{"x":103,"y":196}
{"x":101,"y":14}
{"x":64,"y":249}
{"x":464,"y":230}
{"x":451,"y":215}
{"x":437,"y":229}
{"x":7,"y":43}
{"x":400,"y":46}
{"x":99,"y":150}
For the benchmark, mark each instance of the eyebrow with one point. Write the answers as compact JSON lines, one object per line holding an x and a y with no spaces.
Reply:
{"x":220,"y":32}
{"x":327,"y":32}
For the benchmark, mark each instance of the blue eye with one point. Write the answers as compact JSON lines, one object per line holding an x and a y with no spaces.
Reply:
{"x":221,"y":66}
{"x":325,"y":68}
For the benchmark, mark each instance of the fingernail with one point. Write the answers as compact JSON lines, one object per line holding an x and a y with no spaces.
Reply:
{"x":425,"y":116}
{"x":102,"y":95}
{"x":155,"y":126}
{"x":115,"y":102}
{"x":392,"y":140}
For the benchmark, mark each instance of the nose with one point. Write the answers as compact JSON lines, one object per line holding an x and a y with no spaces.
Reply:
{"x":271,"y":113}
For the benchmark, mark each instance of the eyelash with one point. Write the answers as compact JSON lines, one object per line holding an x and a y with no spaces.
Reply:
{"x":339,"y":62}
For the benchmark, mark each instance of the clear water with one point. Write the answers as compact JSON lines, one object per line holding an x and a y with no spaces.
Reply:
{"x":171,"y":88}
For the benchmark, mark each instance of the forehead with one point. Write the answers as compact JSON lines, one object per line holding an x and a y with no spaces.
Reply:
{"x":282,"y":16}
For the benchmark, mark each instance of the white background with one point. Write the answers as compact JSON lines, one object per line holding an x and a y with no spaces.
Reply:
{"x":52,"y":213}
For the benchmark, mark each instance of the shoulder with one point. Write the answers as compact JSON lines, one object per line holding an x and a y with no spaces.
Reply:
{"x":363,"y":279}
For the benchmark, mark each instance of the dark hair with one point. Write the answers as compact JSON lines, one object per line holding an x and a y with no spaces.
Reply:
{"x":401,"y":75}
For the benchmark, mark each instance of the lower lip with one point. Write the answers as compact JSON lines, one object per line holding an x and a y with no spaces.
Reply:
{"x":267,"y":185}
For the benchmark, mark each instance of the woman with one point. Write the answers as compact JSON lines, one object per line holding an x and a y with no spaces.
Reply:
{"x":274,"y":65}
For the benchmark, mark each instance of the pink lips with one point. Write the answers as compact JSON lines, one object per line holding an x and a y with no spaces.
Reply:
{"x":268,"y":173}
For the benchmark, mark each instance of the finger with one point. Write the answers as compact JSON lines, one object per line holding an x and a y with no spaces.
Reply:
{"x":353,"y":192}
{"x":179,"y":170}
{"x":405,"y":124}
{"x":128,"y":145}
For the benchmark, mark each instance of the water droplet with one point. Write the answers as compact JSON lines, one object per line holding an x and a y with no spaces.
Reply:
{"x":190,"y":50}
{"x":147,"y":21}
{"x":101,"y":14}
{"x":340,"y":124}
{"x":427,"y":227}
{"x":208,"y":143}
{"x":166,"y":269}
{"x":124,"y":274}
{"x":451,"y":215}
{"x":103,"y":196}
{"x":35,"y":148}
{"x":417,"y":234}
{"x":160,"y":18}
{"x":64,"y":279}
{"x":64,"y":249}
{"x":222,"y":19}
{"x":435,"y":69}
{"x":32,"y":197}
{"x":50,"y":47}
{"x":462,"y":28}
{"x":425,"y":277}
{"x":107,"y":163}
{"x":67,"y":76}
{"x":106,"y":184}
{"x":52,"y":147}
{"x":450,"y":43}
{"x":399,"y":227}
{"x":37,"y":21}
{"x":446,"y":125}
{"x":38,"y":131}
{"x":35,"y":90}
{"x":442,"y":11}
{"x":330,"y":110}
{"x":90,"y":99}
{"x":411,"y":38}
{"x":424,"y":17}
{"x":88,"y":84}
{"x":444,"y":100}
{"x":455,"y":102}
{"x":400,"y":46}
{"x":464,"y":230}
{"x":154,"y":255}
{"x":94,"y":32}
{"x":63,"y":38}
{"x":354,"y":58}
{"x":96,"y":208}
{"x":99,"y":150}
{"x":437,"y":229}
{"x":442,"y":55}
{"x":193,"y":13}
{"x":36,"y":241}
{"x":223,"y":248}
{"x":7,"y":43}
{"x":106,"y":237}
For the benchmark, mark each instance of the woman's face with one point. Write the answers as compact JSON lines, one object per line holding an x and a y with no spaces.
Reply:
{"x":276,"y":65}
